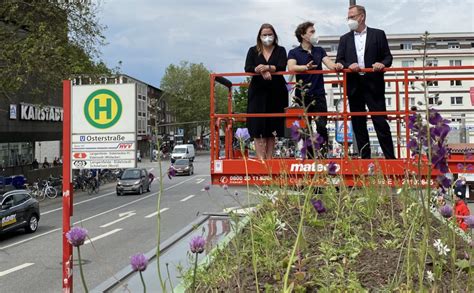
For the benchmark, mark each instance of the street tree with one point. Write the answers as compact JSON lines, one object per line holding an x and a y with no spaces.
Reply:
{"x":188,"y":94}
{"x":44,"y":42}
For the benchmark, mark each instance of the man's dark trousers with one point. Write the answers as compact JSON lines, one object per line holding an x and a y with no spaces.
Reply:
{"x":364,"y":96}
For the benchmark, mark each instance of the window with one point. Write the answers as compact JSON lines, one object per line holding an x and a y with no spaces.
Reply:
{"x":432,"y":83}
{"x":334,"y":47}
{"x":388,"y":101}
{"x":456,"y":100}
{"x":432,"y":62}
{"x":334,"y":85}
{"x":433,"y":100}
{"x":335,"y":101}
{"x":406,"y":46}
{"x":19,"y":198}
{"x":455,"y":62}
{"x":458,"y":120}
{"x":456,"y":83}
{"x":411,"y":101}
{"x":408,"y":63}
{"x":387,"y":84}
{"x":454,"y":46}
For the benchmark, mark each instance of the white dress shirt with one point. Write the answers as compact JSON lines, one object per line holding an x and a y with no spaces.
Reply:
{"x":359,"y":40}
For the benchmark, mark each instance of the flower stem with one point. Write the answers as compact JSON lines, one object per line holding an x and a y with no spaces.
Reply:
{"x":254,"y":257}
{"x":81,"y":271}
{"x":193,"y":286}
{"x":143,"y":282}
{"x":158,"y":225}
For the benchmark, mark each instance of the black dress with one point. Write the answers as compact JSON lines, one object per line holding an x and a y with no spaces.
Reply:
{"x":266,"y":96}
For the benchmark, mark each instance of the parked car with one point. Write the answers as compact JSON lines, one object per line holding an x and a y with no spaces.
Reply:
{"x":133,"y":180}
{"x":183,"y":166}
{"x":18,"y":210}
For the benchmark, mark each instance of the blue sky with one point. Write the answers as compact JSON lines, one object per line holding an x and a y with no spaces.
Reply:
{"x":148,"y":35}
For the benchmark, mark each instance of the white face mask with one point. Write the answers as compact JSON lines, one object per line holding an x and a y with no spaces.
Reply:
{"x":352,"y":24}
{"x":267,"y":40}
{"x":314,"y":39}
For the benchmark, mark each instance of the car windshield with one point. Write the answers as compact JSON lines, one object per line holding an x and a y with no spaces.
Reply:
{"x":179,"y":150}
{"x":182,"y":162}
{"x":131,"y":174}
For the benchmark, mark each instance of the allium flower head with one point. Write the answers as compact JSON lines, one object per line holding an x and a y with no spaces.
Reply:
{"x":318,"y":205}
{"x":76,"y":236}
{"x":139,"y":262}
{"x":446,"y":211}
{"x":197,"y":244}
{"x":242,"y":134}
{"x":444,"y":181}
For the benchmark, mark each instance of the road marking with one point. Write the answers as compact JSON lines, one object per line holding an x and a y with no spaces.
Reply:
{"x":98,"y":215}
{"x":200,"y":180}
{"x":89,"y":241}
{"x":130,"y":203}
{"x":122,"y":217}
{"x":28,"y":239}
{"x":156,"y":213}
{"x":189,"y":197}
{"x":78,"y":203}
{"x":25,"y":265}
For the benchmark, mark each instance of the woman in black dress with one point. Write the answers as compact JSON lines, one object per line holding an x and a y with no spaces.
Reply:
{"x":267,"y":93}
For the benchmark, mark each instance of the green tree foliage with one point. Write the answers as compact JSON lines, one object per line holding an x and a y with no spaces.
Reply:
{"x":44,"y":42}
{"x":187,"y":89}
{"x":240,"y":98}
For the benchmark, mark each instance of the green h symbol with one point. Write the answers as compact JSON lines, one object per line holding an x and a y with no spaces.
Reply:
{"x":107,"y":108}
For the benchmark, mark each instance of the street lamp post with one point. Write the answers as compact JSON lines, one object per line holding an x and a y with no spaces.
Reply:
{"x":352,"y":2}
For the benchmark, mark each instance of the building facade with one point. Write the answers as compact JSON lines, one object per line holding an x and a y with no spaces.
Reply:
{"x":451,"y":95}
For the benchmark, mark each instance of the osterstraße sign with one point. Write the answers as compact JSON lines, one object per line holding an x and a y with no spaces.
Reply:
{"x":40,"y":112}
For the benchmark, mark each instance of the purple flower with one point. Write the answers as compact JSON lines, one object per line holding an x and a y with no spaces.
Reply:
{"x":312,"y":143}
{"x":371,"y":169}
{"x":242,"y":134}
{"x":446,"y":211}
{"x":318,"y":206}
{"x":469,"y":167}
{"x":138,"y":262}
{"x":76,"y":236}
{"x":207,"y":187}
{"x":469,"y":220}
{"x":444,"y":181}
{"x":197,"y":244}
{"x":296,"y":131}
{"x":171,"y":172}
{"x":460,"y":166}
{"x":332,"y":167}
{"x":468,"y":155}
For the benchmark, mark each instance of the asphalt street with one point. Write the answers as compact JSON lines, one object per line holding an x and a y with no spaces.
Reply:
{"x":118,"y":228}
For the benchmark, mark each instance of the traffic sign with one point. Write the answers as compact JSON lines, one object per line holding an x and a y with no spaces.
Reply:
{"x":103,"y":126}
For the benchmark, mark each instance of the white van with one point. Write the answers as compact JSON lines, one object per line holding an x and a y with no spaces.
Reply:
{"x":183,"y":151}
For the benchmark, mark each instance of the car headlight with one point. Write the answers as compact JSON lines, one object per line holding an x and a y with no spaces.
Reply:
{"x":136,"y":182}
{"x":119,"y":183}
{"x":187,"y":168}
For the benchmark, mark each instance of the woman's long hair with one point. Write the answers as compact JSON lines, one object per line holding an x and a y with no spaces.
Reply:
{"x":259,"y":42}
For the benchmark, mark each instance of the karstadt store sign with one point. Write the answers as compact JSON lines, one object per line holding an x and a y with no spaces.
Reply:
{"x":37,"y":112}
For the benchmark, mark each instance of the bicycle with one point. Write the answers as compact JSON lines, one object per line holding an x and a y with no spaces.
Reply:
{"x":35,"y":191}
{"x":92,"y":186}
{"x":49,"y":190}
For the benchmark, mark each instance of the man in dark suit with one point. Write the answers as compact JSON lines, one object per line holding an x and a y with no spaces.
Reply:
{"x":365,"y":47}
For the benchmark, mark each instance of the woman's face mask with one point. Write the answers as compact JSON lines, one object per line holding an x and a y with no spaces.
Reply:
{"x":267,"y":40}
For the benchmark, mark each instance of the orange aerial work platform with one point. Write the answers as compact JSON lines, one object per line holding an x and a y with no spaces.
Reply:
{"x":229,"y":167}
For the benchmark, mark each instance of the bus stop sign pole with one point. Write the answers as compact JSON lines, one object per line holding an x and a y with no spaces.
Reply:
{"x":67,"y":188}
